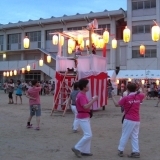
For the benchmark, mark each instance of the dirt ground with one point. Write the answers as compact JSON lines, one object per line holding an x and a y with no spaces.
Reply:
{"x":55,"y":139}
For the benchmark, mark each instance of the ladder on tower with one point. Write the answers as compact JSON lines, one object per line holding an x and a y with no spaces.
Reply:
{"x":63,"y":93}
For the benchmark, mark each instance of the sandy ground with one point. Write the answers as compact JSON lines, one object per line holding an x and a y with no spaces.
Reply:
{"x":55,"y":139}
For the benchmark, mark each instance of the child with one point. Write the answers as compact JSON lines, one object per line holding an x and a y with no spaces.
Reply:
{"x":34,"y":102}
{"x":19,"y":91}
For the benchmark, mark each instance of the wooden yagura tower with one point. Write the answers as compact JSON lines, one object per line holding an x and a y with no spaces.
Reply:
{"x":88,"y":66}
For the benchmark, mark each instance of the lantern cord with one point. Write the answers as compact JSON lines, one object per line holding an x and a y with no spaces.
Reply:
{"x":155,"y":23}
{"x":37,"y":61}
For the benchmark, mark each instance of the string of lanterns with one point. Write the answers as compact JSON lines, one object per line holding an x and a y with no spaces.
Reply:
{"x":99,"y":41}
{"x":28,"y":67}
{"x":142,"y":81}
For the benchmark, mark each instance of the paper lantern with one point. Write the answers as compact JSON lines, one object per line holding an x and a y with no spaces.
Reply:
{"x":114,"y":43}
{"x":101,"y":43}
{"x":49,"y":59}
{"x":23,"y":70}
{"x":41,"y":62}
{"x":70,"y":43}
{"x":26,"y":42}
{"x":87,"y":43}
{"x":157,"y":82}
{"x":96,"y":42}
{"x":55,"y":40}
{"x":106,"y":36}
{"x":117,"y":81}
{"x":28,"y":67}
{"x":82,"y":45}
{"x":69,"y":50}
{"x":15,"y":72}
{"x":80,"y":38}
{"x":62,"y":40}
{"x":73,"y":44}
{"x":129,"y":79}
{"x":142,"y":81}
{"x":155,"y":33}
{"x":126,"y":35}
{"x":11,"y":73}
{"x":4,"y":56}
{"x":4,"y":74}
{"x":7,"y":74}
{"x":142,"y":49}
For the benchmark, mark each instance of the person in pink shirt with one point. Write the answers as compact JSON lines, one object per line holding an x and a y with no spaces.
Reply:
{"x":131,"y":123}
{"x":34,"y":102}
{"x":83,"y":116}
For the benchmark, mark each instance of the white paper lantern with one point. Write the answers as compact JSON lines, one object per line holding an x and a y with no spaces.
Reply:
{"x":41,"y":62}
{"x":49,"y":58}
{"x":55,"y":40}
{"x":28,"y":68}
{"x":26,"y":42}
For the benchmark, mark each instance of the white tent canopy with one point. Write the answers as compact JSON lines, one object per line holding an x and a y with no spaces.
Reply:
{"x":111,"y":74}
{"x":139,"y":74}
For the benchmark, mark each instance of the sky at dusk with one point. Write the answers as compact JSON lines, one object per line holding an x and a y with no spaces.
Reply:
{"x":23,"y":10}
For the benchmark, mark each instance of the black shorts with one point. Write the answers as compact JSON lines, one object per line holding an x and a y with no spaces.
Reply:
{"x":10,"y":95}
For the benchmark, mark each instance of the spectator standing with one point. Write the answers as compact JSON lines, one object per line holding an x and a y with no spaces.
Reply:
{"x":72,"y":103}
{"x":10,"y":91}
{"x":19,"y":91}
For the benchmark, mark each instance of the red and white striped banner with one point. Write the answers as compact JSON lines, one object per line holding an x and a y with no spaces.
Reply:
{"x":97,"y":83}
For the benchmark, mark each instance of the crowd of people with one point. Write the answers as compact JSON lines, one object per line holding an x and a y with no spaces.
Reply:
{"x":132,"y":96}
{"x":47,"y":86}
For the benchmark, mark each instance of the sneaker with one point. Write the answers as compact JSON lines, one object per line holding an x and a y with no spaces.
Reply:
{"x":76,"y":152}
{"x":86,"y":154}
{"x":134,"y":155}
{"x":156,"y":106}
{"x":75,"y":131}
{"x":37,"y":128}
{"x":29,"y":126}
{"x":120,"y":153}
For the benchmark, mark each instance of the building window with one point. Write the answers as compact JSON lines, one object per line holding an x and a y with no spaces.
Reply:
{"x":134,"y":5}
{"x":49,"y":36}
{"x":103,"y":27}
{"x":76,"y":28}
{"x":140,"y":5}
{"x":153,"y":4}
{"x":33,"y":76}
{"x":14,"y":38}
{"x":144,"y":4}
{"x":147,"y":28}
{"x":1,"y":42}
{"x":150,"y":53}
{"x":141,"y":29}
{"x":147,"y":4}
{"x":34,"y":36}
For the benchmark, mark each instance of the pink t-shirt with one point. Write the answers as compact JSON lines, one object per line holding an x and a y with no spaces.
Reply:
{"x":133,"y":112}
{"x":82,"y":100}
{"x":34,"y":92}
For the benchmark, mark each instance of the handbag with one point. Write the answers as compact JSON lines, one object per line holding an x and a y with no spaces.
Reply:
{"x":128,"y":109}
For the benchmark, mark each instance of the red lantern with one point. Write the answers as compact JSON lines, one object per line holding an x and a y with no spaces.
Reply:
{"x":142,"y":50}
